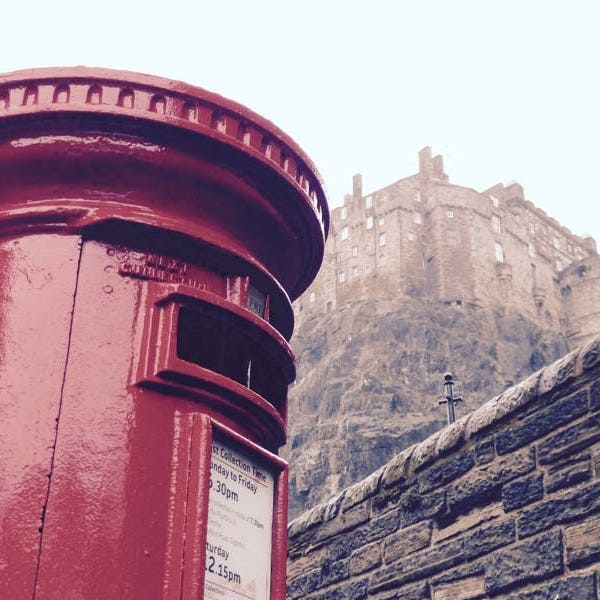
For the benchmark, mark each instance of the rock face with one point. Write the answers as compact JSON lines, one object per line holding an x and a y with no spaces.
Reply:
{"x":370,"y":375}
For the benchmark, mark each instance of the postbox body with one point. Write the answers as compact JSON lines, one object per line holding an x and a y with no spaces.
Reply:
{"x":151,"y":237}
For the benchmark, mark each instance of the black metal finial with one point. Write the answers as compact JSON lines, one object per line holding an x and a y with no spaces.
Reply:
{"x":450,"y":400}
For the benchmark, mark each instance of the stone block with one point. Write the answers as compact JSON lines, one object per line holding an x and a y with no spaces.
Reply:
{"x":542,"y":422}
{"x":488,"y":537}
{"x":571,"y":588}
{"x":332,"y":507}
{"x":568,"y":474}
{"x":481,"y":418}
{"x":366,"y":558}
{"x":362,"y":490}
{"x":395,"y":470}
{"x":451,"y":436}
{"x":590,"y":354}
{"x":418,"y":566}
{"x":482,"y":485}
{"x":415,"y":591}
{"x":381,"y":526}
{"x":559,"y":373}
{"x":354,"y":590}
{"x":302,"y":565}
{"x":296,"y":587}
{"x":583,"y":542}
{"x":468,"y":522}
{"x":570,"y":440}
{"x":576,"y":504}
{"x":407,"y":540}
{"x":370,"y":531}
{"x":389,"y":498}
{"x":329,"y":573}
{"x":305,"y":521}
{"x":474,"y":568}
{"x":533,"y":560}
{"x":595,"y":456}
{"x":425,"y":507}
{"x":425,"y":452}
{"x":469,"y":588}
{"x":485,"y":452}
{"x":523,"y":491}
{"x":444,"y":471}
{"x":516,"y":397}
{"x":595,"y":395}
{"x":344,"y":521}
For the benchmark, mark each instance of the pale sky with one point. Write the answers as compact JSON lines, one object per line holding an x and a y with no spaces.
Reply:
{"x":506,"y":90}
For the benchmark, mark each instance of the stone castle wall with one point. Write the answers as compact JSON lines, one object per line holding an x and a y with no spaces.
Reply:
{"x":580,"y":290}
{"x":503,"y":503}
{"x":424,"y":237}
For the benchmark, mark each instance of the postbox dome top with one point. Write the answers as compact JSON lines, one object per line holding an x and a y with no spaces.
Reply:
{"x":260,"y":155}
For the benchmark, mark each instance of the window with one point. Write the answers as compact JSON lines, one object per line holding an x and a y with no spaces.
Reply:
{"x":355,"y":251}
{"x":451,"y":238}
{"x":369,"y":222}
{"x":532,"y":227}
{"x":344,"y":233}
{"x":343,"y":212}
{"x":496,"y":224}
{"x":498,"y":252}
{"x":417,"y":218}
{"x":342,"y":276}
{"x":450,"y":214}
{"x":311,"y":297}
{"x":411,"y":236}
{"x":558,"y":264}
{"x":368,"y":201}
{"x":569,"y":248}
{"x":495,"y":202}
{"x":381,"y":259}
{"x":531,"y":249}
{"x":556,"y":242}
{"x":338,"y":258}
{"x":381,"y":221}
{"x":418,"y":195}
{"x":354,"y":272}
{"x":381,"y":239}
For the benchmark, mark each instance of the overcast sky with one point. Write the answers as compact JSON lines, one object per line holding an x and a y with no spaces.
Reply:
{"x":506,"y":90}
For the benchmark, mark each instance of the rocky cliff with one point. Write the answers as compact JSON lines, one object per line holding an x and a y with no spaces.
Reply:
{"x":370,"y":376}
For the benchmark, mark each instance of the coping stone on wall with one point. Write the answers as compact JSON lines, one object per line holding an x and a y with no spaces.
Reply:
{"x":541,"y":384}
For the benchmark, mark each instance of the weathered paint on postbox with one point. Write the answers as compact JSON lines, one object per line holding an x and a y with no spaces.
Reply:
{"x":152,"y":235}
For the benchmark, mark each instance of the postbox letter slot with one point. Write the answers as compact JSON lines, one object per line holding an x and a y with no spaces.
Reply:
{"x":208,"y":342}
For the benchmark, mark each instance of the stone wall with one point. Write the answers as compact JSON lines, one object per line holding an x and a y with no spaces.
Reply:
{"x":580,"y":290}
{"x":504,"y":503}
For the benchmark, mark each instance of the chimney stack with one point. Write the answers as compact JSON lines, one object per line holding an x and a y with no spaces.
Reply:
{"x":357,"y":187}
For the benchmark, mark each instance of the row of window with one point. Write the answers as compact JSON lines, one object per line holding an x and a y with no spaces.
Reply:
{"x":499,"y":254}
{"x":381,"y":240}
{"x":369,"y":202}
{"x":354,"y":272}
{"x":345,"y":231}
{"x":558,"y":242}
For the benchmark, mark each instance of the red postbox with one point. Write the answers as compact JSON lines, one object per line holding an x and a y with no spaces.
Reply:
{"x":152,"y":236}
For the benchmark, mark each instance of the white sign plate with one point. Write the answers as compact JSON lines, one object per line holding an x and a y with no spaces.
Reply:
{"x":240,"y":523}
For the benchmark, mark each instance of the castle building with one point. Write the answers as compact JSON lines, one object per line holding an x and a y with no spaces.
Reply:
{"x":424,"y":237}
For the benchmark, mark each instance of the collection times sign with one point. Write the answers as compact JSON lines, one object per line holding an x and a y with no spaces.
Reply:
{"x":240,"y":521}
